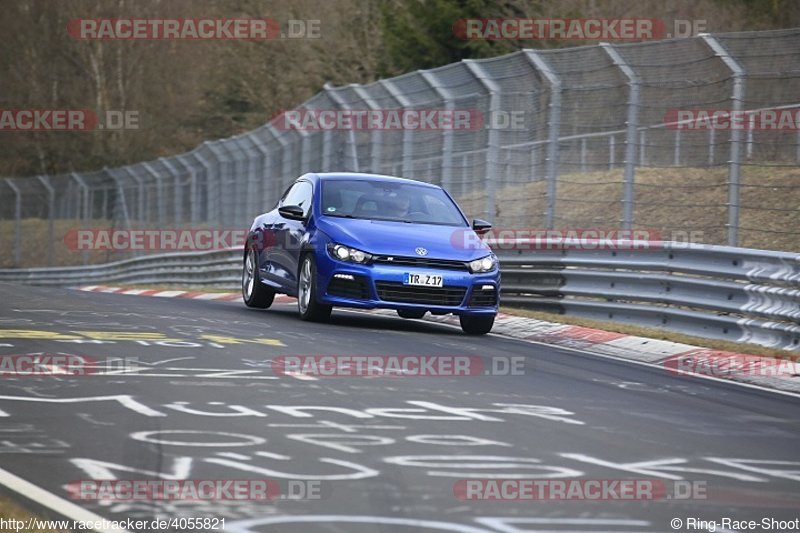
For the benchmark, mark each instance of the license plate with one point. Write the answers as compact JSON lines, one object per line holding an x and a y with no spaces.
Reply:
{"x":423,"y":280}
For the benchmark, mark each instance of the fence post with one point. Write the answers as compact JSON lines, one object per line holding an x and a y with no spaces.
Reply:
{"x":284,"y":160}
{"x":493,"y":150}
{"x":278,"y":180}
{"x":446,"y":95}
{"x":104,"y":209}
{"x":177,"y":215}
{"x":246,"y":173}
{"x":194,"y":200}
{"x":142,"y":200}
{"x":583,"y":154}
{"x":797,"y":146}
{"x":554,"y":130}
{"x":51,"y":207}
{"x":376,"y":136}
{"x":209,"y":191}
{"x":326,"y":164}
{"x":751,"y":122}
{"x":327,"y":148}
{"x":286,"y":164}
{"x":642,"y":147}
{"x":17,"y":221}
{"x":612,"y":141}
{"x":737,"y":100}
{"x":226,"y":188}
{"x":159,"y":192}
{"x":712,"y":135}
{"x":305,"y":152}
{"x":249,"y":168}
{"x":631,"y":136}
{"x":120,"y":197}
{"x":351,"y":137}
{"x":86,"y":209}
{"x":408,"y":145}
{"x":241,"y":182}
{"x":262,"y":200}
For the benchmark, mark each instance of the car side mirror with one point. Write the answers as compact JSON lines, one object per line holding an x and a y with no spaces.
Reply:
{"x":292,"y":212}
{"x":481,"y":226}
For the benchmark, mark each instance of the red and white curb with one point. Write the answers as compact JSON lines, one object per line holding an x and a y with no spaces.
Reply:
{"x":674,"y":357}
{"x":194,"y":295}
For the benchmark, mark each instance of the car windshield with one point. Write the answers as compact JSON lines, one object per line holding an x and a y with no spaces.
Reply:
{"x":385,"y":200}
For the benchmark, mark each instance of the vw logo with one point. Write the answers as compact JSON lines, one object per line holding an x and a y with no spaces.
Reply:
{"x":421,"y":251}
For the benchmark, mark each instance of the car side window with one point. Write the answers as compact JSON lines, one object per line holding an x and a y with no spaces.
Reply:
{"x":301,"y":194}
{"x":281,"y":201}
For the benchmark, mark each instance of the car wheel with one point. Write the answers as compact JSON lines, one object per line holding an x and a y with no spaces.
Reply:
{"x":307,"y":304}
{"x":254,"y":293}
{"x":411,"y":313}
{"x":476,"y":325}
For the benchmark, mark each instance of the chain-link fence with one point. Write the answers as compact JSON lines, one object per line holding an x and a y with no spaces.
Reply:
{"x":601,"y":144}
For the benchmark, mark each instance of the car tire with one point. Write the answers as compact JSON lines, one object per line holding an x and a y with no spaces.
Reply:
{"x":411,"y":313}
{"x":476,"y":325}
{"x":307,"y":290}
{"x":254,"y":293}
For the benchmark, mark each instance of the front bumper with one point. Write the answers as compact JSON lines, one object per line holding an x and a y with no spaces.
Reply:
{"x":380,"y":286}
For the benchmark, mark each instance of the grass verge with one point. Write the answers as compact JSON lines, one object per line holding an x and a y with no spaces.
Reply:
{"x":669,"y":201}
{"x":10,"y":510}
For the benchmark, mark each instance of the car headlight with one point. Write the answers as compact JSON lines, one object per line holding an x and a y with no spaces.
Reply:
{"x":351,"y":255}
{"x":484,"y":264}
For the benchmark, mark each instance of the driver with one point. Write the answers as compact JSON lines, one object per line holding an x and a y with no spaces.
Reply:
{"x":399,"y":206}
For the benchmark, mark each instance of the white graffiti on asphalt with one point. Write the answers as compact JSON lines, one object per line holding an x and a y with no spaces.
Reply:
{"x":422,"y":411}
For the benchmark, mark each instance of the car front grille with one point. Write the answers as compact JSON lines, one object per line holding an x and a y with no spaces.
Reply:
{"x":390,"y":291}
{"x":356,"y":288}
{"x":420,"y":262}
{"x":483,"y":297}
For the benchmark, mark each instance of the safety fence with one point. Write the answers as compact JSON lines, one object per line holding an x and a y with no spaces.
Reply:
{"x":584,"y":137}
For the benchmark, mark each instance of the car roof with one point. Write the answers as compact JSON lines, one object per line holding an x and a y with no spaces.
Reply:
{"x":332,"y":176}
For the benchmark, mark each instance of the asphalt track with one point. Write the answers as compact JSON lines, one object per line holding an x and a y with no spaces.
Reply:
{"x":385,"y":453}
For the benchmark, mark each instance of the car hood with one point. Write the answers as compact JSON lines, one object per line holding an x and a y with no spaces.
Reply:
{"x":401,"y":239}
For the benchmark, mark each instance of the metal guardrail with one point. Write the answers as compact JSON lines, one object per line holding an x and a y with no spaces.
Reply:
{"x":719,"y":292}
{"x":221,"y":268}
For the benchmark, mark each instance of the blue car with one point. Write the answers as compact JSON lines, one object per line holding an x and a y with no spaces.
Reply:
{"x":369,"y":241}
